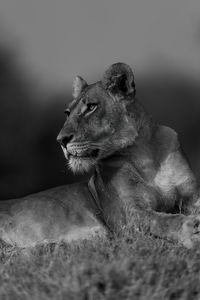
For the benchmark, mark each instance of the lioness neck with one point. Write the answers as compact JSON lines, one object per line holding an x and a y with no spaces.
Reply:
{"x":114,"y":175}
{"x":126,"y":157}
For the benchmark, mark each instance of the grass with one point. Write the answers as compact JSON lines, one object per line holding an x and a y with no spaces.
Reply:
{"x":134,"y":266}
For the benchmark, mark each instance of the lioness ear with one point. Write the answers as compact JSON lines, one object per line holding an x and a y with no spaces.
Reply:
{"x":119,"y":81}
{"x":78,"y":85}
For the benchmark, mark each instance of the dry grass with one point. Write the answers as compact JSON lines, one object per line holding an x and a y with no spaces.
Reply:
{"x":130,"y":267}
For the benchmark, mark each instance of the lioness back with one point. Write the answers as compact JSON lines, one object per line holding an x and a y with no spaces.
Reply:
{"x":57,"y":214}
{"x":174,"y":176}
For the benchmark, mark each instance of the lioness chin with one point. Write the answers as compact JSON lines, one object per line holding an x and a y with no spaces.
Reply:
{"x":138,"y":168}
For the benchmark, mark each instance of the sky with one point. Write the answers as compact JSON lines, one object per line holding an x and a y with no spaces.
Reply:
{"x":60,"y":39}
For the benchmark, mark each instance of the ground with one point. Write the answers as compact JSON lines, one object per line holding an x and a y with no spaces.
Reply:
{"x":135,"y":266}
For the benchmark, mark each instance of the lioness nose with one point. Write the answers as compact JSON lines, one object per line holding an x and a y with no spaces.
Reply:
{"x":64,"y":139}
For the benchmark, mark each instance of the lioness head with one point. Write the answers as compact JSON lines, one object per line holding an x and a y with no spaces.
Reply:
{"x":99,"y":120}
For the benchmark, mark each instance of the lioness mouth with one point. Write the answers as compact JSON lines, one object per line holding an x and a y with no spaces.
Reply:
{"x":84,"y":154}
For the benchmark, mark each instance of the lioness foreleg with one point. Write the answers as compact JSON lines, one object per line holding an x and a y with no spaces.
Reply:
{"x":173,"y":227}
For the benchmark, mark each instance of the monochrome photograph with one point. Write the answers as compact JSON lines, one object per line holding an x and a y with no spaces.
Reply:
{"x":99,"y":150}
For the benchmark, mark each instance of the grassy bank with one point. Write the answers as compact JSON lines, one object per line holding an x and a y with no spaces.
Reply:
{"x":138,"y":267}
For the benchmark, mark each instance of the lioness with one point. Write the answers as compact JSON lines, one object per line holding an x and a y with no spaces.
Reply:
{"x":138,"y":168}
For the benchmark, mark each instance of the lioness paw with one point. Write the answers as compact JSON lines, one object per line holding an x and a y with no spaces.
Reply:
{"x":189,"y":234}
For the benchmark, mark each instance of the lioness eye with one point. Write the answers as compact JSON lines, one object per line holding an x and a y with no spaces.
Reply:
{"x":67,"y":112}
{"x":91,"y":106}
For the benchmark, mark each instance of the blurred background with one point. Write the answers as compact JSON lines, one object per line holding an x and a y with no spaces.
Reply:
{"x":45,"y":43}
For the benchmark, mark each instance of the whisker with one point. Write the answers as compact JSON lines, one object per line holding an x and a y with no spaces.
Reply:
{"x":96,"y":145}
